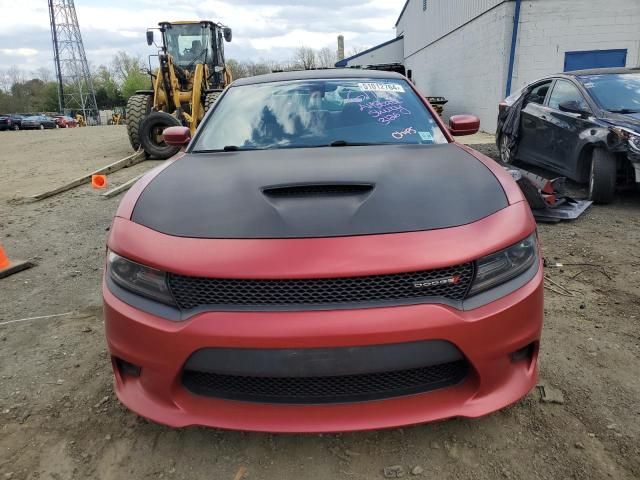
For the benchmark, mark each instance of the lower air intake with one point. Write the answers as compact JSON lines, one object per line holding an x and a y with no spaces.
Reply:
{"x":331,"y":389}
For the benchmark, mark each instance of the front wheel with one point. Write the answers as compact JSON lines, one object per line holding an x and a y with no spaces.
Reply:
{"x":138,"y":107}
{"x":41,"y":127}
{"x":210,"y":99}
{"x":602,"y":177}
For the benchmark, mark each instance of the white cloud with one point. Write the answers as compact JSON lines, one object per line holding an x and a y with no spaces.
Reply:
{"x":261,"y":28}
{"x":19,"y":52}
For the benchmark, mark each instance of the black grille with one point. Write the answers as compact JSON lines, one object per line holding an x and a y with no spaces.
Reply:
{"x":192,"y":292}
{"x":337,"y":389}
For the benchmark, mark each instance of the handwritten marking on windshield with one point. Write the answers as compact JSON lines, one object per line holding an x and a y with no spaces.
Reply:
{"x":403,"y":133}
{"x":386,"y":111}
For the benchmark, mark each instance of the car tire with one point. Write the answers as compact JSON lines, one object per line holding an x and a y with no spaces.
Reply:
{"x":151,"y":129}
{"x":602,"y":177}
{"x":41,"y":127}
{"x":15,"y":128}
{"x":138,"y":107}
{"x":506,"y":153}
{"x":210,"y":99}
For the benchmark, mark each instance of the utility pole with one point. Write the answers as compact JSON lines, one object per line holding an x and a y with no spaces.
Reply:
{"x":75,"y":85}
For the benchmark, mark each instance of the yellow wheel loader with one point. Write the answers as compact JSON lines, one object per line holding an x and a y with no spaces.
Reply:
{"x":191,"y":76}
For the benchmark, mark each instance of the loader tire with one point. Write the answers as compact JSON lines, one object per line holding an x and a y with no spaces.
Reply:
{"x":151,"y":135}
{"x":138,"y":107}
{"x":602,"y":178}
{"x":210,"y":99}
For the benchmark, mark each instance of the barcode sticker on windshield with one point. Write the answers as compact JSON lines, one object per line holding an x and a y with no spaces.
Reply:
{"x":380,"y":87}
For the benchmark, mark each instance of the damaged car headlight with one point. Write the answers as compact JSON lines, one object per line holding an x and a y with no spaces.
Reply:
{"x":139,"y":279}
{"x":504,"y":265}
{"x":634,"y":142}
{"x":631,"y":137}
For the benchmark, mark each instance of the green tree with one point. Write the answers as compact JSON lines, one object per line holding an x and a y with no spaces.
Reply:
{"x":135,"y":81}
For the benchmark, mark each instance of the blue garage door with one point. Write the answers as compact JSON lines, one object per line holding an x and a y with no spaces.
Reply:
{"x":594,"y":59}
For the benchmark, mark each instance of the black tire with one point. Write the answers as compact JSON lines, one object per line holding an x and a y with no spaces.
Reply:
{"x":16,"y":128}
{"x":504,"y":150}
{"x":138,"y":107}
{"x":41,"y":127}
{"x":150,"y":135}
{"x":210,"y":99}
{"x":602,"y":177}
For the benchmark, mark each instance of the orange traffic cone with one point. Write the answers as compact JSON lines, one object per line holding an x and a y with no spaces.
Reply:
{"x":8,"y":268}
{"x":99,"y":181}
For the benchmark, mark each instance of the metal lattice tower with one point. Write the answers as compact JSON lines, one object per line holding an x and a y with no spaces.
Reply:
{"x":75,"y":86}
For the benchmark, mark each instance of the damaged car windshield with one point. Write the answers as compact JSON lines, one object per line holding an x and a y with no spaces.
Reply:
{"x":317,"y":113}
{"x":616,"y":93}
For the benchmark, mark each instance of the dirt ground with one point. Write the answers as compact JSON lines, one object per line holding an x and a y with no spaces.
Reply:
{"x":59,"y":418}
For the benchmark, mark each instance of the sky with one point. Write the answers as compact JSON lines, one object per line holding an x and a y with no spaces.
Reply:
{"x":262,"y":29}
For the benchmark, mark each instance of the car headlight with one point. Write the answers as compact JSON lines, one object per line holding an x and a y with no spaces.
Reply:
{"x":140,"y":279}
{"x":504,"y":265}
{"x":632,"y":138}
{"x":634,"y":142}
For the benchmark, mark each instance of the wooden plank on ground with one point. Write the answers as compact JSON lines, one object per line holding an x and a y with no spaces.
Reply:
{"x":133,"y":159}
{"x":121,"y":188}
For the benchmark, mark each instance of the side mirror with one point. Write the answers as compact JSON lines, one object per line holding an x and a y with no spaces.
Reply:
{"x":149,"y":37}
{"x":460,"y":125}
{"x":573,"y":107}
{"x":226,"y":31}
{"x":176,"y":135}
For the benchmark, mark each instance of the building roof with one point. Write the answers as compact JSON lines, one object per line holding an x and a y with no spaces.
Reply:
{"x":603,"y":71}
{"x":402,"y":12}
{"x":317,"y":74}
{"x":343,"y":62}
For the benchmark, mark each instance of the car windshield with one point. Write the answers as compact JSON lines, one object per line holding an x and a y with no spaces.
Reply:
{"x":315,"y":113}
{"x":616,"y":93}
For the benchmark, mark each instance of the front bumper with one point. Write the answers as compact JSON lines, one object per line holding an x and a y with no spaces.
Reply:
{"x":487,"y":336}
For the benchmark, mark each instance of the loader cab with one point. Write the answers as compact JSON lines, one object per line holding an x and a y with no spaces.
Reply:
{"x":192,"y":43}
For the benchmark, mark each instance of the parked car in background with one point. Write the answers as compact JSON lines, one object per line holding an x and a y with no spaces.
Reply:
{"x":38,"y":122}
{"x":16,"y":121}
{"x":64,"y":121}
{"x":5,"y":122}
{"x":344,"y":265}
{"x":10,"y":122}
{"x":583,"y":124}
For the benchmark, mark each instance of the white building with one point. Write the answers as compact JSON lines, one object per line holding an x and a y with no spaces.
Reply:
{"x":385,"y":53}
{"x":461,"y":49}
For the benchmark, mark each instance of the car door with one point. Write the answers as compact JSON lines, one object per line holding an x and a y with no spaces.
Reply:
{"x":533,"y":137}
{"x":565,"y":128}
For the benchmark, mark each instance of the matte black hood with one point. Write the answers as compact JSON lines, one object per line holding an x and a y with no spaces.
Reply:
{"x":319,"y":192}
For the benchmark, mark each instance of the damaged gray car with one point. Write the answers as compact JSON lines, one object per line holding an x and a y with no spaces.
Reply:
{"x":584,"y":125}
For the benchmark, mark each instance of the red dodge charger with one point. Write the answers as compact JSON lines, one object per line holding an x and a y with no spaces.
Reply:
{"x":323,"y":257}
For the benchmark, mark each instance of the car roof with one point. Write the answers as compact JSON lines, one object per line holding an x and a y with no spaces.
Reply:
{"x":324,"y":74}
{"x":602,"y":71}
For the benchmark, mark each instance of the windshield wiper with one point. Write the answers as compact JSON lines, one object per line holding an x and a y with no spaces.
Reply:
{"x":226,"y":148}
{"x":625,"y":111}
{"x":344,"y":143}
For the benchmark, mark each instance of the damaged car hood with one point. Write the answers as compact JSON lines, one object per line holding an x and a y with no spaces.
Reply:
{"x":319,"y":192}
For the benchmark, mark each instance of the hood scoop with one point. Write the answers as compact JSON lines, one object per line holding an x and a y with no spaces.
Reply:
{"x":318,"y":190}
